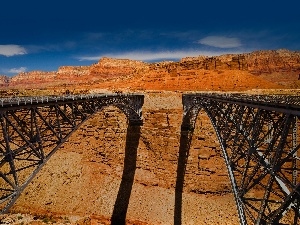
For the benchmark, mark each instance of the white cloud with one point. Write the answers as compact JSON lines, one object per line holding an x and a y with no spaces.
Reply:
{"x":220,"y":42}
{"x":17,"y":70}
{"x":11,"y":50}
{"x":154,"y":56}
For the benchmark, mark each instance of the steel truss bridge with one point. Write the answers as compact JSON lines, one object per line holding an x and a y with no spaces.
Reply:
{"x":258,"y":138}
{"x":33,"y":129}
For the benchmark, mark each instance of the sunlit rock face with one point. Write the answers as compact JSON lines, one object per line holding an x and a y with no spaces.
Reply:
{"x":235,"y":72}
{"x":4,"y":81}
{"x":257,"y":62}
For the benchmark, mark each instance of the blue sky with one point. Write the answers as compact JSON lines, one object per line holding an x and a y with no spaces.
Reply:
{"x":43,"y":35}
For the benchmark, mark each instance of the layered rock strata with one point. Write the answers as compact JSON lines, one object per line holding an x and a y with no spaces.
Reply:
{"x":277,"y":66}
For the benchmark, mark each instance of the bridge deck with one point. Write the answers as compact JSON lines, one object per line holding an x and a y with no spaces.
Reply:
{"x":279,"y":103}
{"x":27,"y":100}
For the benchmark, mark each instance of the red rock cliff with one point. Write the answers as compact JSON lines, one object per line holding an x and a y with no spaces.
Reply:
{"x":276,"y":66}
{"x":256,"y":62}
{"x":4,"y":81}
{"x":109,"y":67}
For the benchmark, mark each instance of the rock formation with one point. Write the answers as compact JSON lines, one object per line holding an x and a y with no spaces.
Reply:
{"x":4,"y":81}
{"x":256,"y":62}
{"x":277,"y":66}
{"x":109,"y":68}
{"x":73,"y":71}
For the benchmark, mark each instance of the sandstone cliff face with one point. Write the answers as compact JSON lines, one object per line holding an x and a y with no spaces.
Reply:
{"x":256,"y":62}
{"x":230,"y":72}
{"x":110,"y":68}
{"x":73,"y":70}
{"x":4,"y":81}
{"x":33,"y":76}
{"x":273,"y":61}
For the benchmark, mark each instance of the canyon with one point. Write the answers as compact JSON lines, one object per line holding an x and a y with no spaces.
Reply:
{"x":272,"y":69}
{"x":80,"y":183}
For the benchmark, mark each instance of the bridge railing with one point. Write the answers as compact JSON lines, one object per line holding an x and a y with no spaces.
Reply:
{"x":278,"y":99}
{"x":289,"y":104}
{"x":12,"y":101}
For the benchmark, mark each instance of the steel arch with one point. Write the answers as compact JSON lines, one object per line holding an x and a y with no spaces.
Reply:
{"x":258,"y":138}
{"x":33,"y":129}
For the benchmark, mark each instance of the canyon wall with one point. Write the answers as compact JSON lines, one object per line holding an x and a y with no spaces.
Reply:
{"x":25,"y":77}
{"x":4,"y":81}
{"x":86,"y":175}
{"x":256,"y":62}
{"x":110,"y":68}
{"x":73,"y":71}
{"x":277,"y":66}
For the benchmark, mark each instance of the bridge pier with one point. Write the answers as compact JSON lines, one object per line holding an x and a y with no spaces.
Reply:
{"x":184,"y":148}
{"x":124,"y":193}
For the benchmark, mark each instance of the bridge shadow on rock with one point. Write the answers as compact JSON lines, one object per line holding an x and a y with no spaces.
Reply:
{"x":122,"y":201}
{"x":184,"y":148}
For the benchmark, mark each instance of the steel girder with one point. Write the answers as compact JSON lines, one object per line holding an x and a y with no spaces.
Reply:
{"x":258,"y":138}
{"x":32,"y":130}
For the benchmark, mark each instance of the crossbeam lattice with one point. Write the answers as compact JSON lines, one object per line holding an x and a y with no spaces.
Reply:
{"x":32,"y":129}
{"x":259,"y":140}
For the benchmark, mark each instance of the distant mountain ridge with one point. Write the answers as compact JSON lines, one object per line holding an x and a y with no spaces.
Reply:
{"x":283,"y":62}
{"x":256,"y":62}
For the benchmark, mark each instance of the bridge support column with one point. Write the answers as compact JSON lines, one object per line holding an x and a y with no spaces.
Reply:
{"x":186,"y":134}
{"x":122,"y":201}
{"x":183,"y":154}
